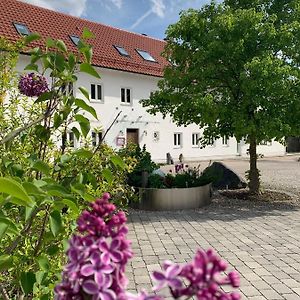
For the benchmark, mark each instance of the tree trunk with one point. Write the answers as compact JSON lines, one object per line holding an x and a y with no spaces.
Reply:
{"x":254,"y":183}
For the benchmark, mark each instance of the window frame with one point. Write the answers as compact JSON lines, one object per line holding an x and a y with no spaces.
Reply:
{"x":195,"y":145}
{"x":98,"y":137}
{"x":117,"y":47}
{"x":74,"y":36}
{"x":153,"y":60}
{"x":126,"y":96}
{"x":213,"y":143}
{"x":226,"y":140}
{"x":177,"y":143}
{"x":16,"y":24}
{"x":95,"y":100}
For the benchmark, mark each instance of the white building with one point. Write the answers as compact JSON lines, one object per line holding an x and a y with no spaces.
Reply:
{"x":130,"y":66}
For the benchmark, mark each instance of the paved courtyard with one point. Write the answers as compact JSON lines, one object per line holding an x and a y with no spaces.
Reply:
{"x":260,"y":241}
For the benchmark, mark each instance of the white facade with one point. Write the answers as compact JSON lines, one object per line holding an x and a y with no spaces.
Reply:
{"x":153,"y":131}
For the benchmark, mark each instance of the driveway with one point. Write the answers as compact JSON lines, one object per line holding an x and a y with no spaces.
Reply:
{"x":261,"y":242}
{"x":281,"y":173}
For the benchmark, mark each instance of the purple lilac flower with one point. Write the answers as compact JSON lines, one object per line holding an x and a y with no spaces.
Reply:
{"x":97,"y":255}
{"x":33,"y":85}
{"x":201,"y":278}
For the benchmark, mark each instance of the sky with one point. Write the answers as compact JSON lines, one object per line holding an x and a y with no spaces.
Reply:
{"x":150,"y":17}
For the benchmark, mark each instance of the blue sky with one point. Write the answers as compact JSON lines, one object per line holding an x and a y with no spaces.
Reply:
{"x":151,"y":17}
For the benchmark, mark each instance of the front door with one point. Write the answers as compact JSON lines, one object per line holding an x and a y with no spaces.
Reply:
{"x":132,"y":136}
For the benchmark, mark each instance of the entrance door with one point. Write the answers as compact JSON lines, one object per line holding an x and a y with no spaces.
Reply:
{"x":132,"y":136}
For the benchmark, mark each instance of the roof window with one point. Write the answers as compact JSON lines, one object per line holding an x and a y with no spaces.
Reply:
{"x":121,"y":50}
{"x":75,"y":39}
{"x":145,"y":55}
{"x":22,"y":29}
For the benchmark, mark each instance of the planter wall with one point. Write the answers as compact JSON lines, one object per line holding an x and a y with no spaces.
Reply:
{"x":174,"y":199}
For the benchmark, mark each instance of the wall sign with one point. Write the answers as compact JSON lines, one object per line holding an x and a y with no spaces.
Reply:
{"x":120,"y":141}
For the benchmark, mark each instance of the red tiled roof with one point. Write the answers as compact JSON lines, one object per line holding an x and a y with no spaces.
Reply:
{"x":59,"y":26}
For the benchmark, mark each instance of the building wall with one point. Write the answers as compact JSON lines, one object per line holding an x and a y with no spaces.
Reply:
{"x":134,"y":116}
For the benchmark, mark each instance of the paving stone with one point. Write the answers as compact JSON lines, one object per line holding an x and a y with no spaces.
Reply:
{"x":260,"y":243}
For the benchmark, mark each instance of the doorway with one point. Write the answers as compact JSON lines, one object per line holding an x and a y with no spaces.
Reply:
{"x":132,"y":136}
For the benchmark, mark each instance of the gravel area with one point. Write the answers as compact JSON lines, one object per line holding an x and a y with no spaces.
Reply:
{"x":278,"y":173}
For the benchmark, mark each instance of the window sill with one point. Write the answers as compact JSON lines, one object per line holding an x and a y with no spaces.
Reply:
{"x":97,"y":101}
{"x":177,"y":147}
{"x":126,"y":104}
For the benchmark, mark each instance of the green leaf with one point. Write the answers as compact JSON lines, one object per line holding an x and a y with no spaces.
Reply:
{"x":42,"y":167}
{"x":87,"y":53}
{"x":72,"y":61}
{"x":87,"y":34}
{"x":56,"y":190}
{"x":15,"y":189}
{"x":40,"y":276}
{"x":50,"y":43}
{"x":83,"y":153}
{"x":3,"y":229}
{"x":76,"y":132}
{"x":84,"y":124}
{"x":55,"y":222}
{"x":33,"y":67}
{"x":108,"y":175}
{"x":43,"y":263}
{"x":6,"y":262}
{"x":65,"y":158}
{"x":85,"y":93}
{"x":44,"y":97}
{"x":118,"y":162}
{"x":27,"y":281}
{"x":87,"y":68}
{"x":31,"y":37}
{"x":61,"y":46}
{"x":72,"y":205}
{"x":11,"y":227}
{"x":57,"y":120}
{"x":82,"y":104}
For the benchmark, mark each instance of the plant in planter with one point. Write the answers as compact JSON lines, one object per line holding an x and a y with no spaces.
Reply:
{"x":184,"y":177}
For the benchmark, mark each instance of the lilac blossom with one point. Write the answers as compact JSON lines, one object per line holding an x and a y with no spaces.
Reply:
{"x":33,"y":85}
{"x":99,"y":252}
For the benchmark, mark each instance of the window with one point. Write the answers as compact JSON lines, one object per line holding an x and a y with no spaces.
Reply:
{"x":96,"y":92}
{"x":96,"y":138}
{"x":121,"y":51}
{"x":75,"y":39}
{"x":145,"y":55}
{"x":22,"y":29}
{"x":195,"y":139}
{"x":265,"y":143}
{"x":177,"y":140}
{"x":68,"y":89}
{"x":225,"y":141}
{"x":211,"y":142}
{"x":68,"y":139}
{"x":125,"y":95}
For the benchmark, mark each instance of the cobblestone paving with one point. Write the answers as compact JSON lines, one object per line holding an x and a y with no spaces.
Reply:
{"x":262,"y":243}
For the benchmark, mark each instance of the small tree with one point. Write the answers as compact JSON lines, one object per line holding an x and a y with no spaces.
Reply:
{"x":233,"y":71}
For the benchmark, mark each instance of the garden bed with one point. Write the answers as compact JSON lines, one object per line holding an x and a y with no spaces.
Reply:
{"x":174,"y":198}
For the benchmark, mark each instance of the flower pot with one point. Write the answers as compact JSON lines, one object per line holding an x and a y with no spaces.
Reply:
{"x":174,"y":199}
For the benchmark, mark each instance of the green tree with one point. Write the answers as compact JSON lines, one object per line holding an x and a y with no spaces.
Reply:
{"x":234,"y":70}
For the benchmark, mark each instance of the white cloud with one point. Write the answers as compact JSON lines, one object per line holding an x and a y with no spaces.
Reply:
{"x":117,"y":3}
{"x":74,"y":8}
{"x":158,"y":8}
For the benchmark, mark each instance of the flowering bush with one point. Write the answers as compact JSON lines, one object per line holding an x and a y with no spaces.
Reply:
{"x":98,"y":254}
{"x":33,"y":85}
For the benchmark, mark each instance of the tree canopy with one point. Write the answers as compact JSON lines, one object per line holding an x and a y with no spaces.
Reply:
{"x":234,"y":70}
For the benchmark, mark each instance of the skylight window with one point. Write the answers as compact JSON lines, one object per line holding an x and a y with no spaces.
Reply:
{"x":145,"y":55}
{"x":22,"y":29}
{"x":121,"y":50}
{"x":75,"y":39}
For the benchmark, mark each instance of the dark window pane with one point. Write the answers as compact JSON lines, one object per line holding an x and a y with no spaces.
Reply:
{"x":93,"y":91}
{"x":128,"y":96}
{"x":178,"y":137}
{"x":145,"y":55}
{"x":22,"y":29}
{"x":75,"y":39}
{"x":175,"y":139}
{"x":99,"y":92}
{"x":122,"y":95}
{"x":71,"y":139}
{"x":99,"y":137}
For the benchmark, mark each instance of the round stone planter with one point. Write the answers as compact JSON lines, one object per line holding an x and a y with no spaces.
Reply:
{"x":174,"y":199}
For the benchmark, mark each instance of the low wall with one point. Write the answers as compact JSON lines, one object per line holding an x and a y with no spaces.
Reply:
{"x":174,"y":199}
